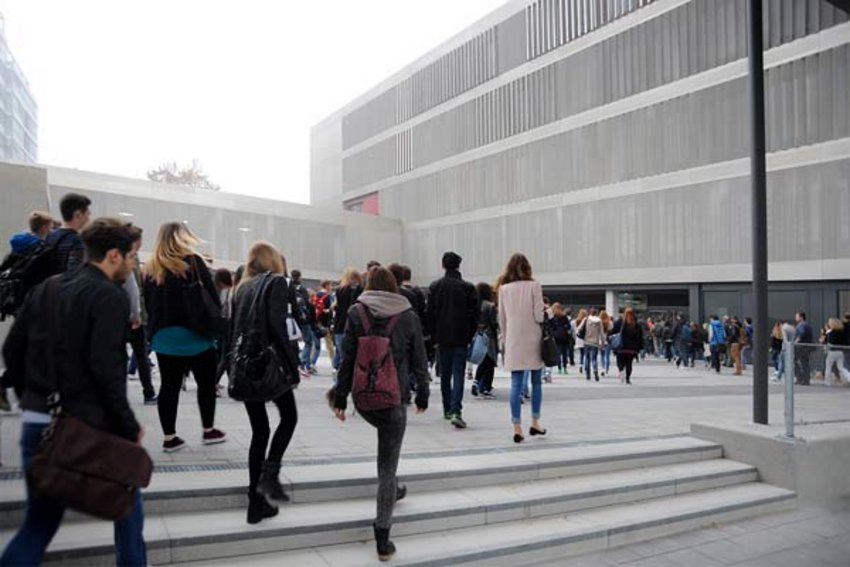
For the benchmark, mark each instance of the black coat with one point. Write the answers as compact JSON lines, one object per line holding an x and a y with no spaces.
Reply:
{"x":408,"y":350}
{"x":631,"y":335}
{"x":278,"y":298}
{"x":345,"y":298}
{"x":452,"y":310}
{"x":90,"y":351}
{"x":164,"y":302}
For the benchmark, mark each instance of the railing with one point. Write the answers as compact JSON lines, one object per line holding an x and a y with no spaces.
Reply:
{"x":801,"y":362}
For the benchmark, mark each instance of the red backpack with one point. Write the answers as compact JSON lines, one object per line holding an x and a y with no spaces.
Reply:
{"x":375,"y":384}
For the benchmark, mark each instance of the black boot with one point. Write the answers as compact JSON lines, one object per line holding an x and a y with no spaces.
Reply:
{"x":269,"y":485}
{"x":385,"y":547}
{"x":400,"y":492}
{"x":259,"y":509}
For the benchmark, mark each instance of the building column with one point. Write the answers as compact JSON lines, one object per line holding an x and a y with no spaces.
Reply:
{"x":694,"y":307}
{"x":612,"y":302}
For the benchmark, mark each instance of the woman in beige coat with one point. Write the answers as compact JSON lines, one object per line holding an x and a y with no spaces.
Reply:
{"x":520,"y":314}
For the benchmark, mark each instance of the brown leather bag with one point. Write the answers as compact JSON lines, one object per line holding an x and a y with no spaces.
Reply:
{"x":81,"y":467}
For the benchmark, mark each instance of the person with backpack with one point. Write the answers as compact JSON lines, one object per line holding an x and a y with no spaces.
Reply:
{"x":307,"y":315}
{"x":488,"y":323}
{"x":737,"y":338}
{"x":30,"y":261}
{"x":594,"y":339}
{"x":350,"y":288}
{"x":89,"y":373}
{"x":452,"y":320}
{"x":66,"y":239}
{"x":716,"y":341}
{"x":521,"y":313}
{"x":578,"y":331}
{"x":260,"y":307}
{"x":174,"y":275}
{"x":561,"y":332}
{"x":381,"y":323}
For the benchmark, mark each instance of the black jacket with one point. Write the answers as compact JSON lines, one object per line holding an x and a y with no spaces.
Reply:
{"x":408,"y":350}
{"x":164,"y":302}
{"x":452,"y":310}
{"x":90,"y":350}
{"x":488,"y":321}
{"x":307,"y":316}
{"x":345,"y":298}
{"x":631,"y":335}
{"x":417,"y":300}
{"x":279,"y":297}
{"x":69,"y":249}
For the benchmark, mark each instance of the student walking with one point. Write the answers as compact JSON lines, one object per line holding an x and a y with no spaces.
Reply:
{"x":382,"y":312}
{"x":631,"y":337}
{"x":174,"y":271}
{"x":261,"y":305}
{"x":452,"y":320}
{"x":521,"y":311}
{"x":350,"y":288}
{"x":835,"y":339}
{"x":90,"y":372}
{"x":561,"y":331}
{"x":488,"y":322}
{"x":594,"y":339}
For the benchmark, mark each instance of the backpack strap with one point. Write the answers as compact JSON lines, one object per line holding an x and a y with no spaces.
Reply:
{"x":392,"y":323}
{"x":365,"y":318}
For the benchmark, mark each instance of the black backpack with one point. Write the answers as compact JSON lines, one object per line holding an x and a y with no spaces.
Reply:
{"x":303,"y":304}
{"x":19,"y":273}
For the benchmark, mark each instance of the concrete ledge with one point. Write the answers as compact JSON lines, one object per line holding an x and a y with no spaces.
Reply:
{"x":814,"y":465}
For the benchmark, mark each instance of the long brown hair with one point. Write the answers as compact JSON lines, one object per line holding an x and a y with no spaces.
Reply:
{"x":518,"y":269}
{"x":381,"y":279}
{"x":262,"y":257}
{"x":629,"y":317}
{"x":174,"y":242}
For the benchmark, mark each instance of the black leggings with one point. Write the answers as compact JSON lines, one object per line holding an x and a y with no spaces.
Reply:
{"x":171,"y":372}
{"x":563,"y":354}
{"x":390,"y":424}
{"x":260,"y":434}
{"x":484,"y":374}
{"x":624,"y":361}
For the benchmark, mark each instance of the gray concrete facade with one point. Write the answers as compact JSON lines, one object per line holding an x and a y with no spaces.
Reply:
{"x":18,"y":110}
{"x":608,"y":140}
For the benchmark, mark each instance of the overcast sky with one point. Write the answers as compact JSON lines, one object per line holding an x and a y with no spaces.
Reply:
{"x":123,"y":86}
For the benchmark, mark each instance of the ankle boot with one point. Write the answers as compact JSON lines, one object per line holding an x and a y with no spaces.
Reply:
{"x":400,"y":492}
{"x":269,"y":485}
{"x":385,"y":547}
{"x":259,"y":509}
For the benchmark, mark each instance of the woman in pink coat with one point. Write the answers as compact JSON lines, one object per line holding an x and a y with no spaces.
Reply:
{"x":520,"y":314}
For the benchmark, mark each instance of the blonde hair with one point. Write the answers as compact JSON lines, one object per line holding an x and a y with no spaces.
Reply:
{"x":350,"y":276}
{"x":835,"y":324}
{"x":262,"y":257}
{"x":557,"y":309}
{"x":174,"y":242}
{"x":582,"y":314}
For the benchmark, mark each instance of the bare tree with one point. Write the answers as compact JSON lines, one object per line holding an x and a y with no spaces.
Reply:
{"x":191,"y":176}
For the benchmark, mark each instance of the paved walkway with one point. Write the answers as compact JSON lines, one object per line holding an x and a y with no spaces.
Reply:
{"x":662,"y":401}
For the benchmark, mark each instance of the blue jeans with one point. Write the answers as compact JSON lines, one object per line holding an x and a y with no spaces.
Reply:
{"x":310,"y":339}
{"x":317,"y":349}
{"x":517,"y":379}
{"x":337,"y":350}
{"x":452,"y":368}
{"x":605,"y":353}
{"x":43,"y":517}
{"x":591,"y":356}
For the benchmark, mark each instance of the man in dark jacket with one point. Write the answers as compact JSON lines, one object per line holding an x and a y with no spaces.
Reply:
{"x":69,"y":246}
{"x":90,"y":361}
{"x":307,"y":317}
{"x":452,"y":321}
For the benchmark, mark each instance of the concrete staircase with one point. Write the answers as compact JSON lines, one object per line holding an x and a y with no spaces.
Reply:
{"x":541,"y":501}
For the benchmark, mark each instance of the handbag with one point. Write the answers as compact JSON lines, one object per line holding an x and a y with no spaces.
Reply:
{"x":615,"y":341}
{"x":479,"y":348}
{"x":79,"y":466}
{"x":259,"y":370}
{"x":549,"y":347}
{"x":204,"y":313}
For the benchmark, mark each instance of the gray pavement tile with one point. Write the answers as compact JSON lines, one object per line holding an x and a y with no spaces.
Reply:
{"x":690,"y":558}
{"x":726,"y":552}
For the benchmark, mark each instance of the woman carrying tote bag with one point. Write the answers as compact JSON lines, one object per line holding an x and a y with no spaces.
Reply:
{"x":261,"y":340}
{"x":521,"y":311}
{"x":181,"y":300}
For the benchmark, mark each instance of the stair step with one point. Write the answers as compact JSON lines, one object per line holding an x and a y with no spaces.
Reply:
{"x":543,"y":539}
{"x":216,"y":490}
{"x":183,"y":536}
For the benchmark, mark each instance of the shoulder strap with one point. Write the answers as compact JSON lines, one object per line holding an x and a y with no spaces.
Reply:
{"x":392,"y":323}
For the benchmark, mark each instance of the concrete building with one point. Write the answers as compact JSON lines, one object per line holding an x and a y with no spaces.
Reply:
{"x":18,"y":111}
{"x":609,"y":141}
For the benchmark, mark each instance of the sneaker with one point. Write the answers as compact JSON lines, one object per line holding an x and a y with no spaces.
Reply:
{"x":447,"y":415}
{"x":489,"y":396}
{"x":314,"y":371}
{"x":214,"y":436}
{"x":304,"y":373}
{"x":475,"y":389}
{"x":151,"y":400}
{"x":173,"y":444}
{"x":458,"y":421}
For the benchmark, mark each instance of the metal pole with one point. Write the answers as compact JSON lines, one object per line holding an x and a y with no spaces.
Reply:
{"x":788,"y":375}
{"x":759,"y":205}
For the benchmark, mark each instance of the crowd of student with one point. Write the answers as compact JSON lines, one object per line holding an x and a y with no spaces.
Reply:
{"x":264,"y":328}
